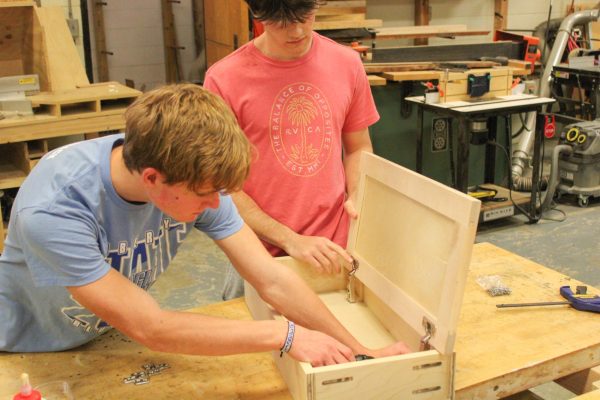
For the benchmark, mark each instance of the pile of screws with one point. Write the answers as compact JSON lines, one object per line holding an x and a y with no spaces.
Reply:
{"x":499,"y":291}
{"x":143,"y":377}
{"x":493,"y":285}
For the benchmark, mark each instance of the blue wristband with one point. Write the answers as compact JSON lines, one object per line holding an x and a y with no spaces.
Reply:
{"x":289,"y":339}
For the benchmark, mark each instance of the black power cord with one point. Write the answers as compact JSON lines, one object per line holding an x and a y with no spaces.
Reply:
{"x":531,"y":215}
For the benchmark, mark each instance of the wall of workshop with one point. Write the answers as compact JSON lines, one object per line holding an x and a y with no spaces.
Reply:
{"x":134,"y":36}
{"x":475,"y":14}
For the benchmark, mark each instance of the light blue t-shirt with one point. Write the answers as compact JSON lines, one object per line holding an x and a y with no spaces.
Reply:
{"x":68,"y":226}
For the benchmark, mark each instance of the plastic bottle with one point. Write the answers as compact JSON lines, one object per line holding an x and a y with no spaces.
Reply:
{"x":27,"y":392}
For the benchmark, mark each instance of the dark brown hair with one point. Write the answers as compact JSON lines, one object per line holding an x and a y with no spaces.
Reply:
{"x":284,"y":11}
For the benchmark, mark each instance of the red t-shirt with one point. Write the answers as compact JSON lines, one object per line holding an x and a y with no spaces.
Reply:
{"x":295,"y":113}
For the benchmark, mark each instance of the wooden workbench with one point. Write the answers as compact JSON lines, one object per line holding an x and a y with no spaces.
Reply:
{"x":499,"y":351}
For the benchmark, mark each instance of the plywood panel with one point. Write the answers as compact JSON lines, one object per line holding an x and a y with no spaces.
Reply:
{"x":215,"y":52}
{"x":224,"y":19}
{"x":347,"y":24}
{"x":13,"y":21}
{"x":412,"y":75}
{"x":414,"y":252}
{"x":411,"y":376}
{"x":375,"y":80}
{"x":65,"y":70}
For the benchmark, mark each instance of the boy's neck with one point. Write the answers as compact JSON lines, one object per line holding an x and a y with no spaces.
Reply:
{"x":127,"y":184}
{"x":272,"y":51}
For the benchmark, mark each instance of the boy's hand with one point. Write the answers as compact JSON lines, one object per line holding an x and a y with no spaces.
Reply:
{"x":394,"y":349}
{"x":318,"y":348}
{"x":350,"y":209}
{"x":321,"y":253}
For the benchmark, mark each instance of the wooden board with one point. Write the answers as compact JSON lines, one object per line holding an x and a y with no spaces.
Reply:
{"x":347,"y":24}
{"x":505,"y":351}
{"x":64,"y":68}
{"x":343,"y":15}
{"x":375,"y":80}
{"x":39,"y":42}
{"x":454,"y":85}
{"x":373,"y":68}
{"x":10,"y":175}
{"x":424,"y":31}
{"x":14,"y":21}
{"x":47,"y":126}
{"x":412,"y":75}
{"x":226,"y":27}
{"x":96,"y":371}
{"x":440,"y":67}
{"x":331,"y":9}
{"x":427,"y":228}
{"x":582,"y":382}
{"x":491,"y":210}
{"x":98,"y":98}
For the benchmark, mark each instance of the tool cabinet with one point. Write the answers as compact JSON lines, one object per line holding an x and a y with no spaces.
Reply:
{"x":413,"y":242}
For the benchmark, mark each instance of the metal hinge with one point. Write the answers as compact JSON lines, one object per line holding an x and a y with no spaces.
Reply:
{"x":429,"y":332}
{"x":351,"y":289}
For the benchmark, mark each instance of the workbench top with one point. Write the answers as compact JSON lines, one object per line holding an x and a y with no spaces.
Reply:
{"x":498,"y":351}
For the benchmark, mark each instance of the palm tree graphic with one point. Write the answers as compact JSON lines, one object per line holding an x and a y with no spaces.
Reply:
{"x":302,"y":112}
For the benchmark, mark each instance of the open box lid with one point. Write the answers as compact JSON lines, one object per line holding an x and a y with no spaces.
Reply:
{"x":413,"y":241}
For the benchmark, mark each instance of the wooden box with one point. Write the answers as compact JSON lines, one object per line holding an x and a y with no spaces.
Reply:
{"x":454,"y":85}
{"x":413,"y":242}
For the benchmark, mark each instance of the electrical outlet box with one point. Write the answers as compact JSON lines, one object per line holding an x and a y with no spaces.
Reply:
{"x":439,"y":134}
{"x":73,"y":25}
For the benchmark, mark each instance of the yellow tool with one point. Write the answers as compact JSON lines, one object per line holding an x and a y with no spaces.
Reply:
{"x":483,"y":194}
{"x":486,"y":194}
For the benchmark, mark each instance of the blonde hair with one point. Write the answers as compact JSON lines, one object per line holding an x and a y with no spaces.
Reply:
{"x":189,"y":135}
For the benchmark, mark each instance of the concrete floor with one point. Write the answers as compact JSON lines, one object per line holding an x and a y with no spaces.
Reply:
{"x":571,"y":247}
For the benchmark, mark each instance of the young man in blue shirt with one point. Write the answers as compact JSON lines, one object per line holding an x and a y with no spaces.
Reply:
{"x":96,"y":223}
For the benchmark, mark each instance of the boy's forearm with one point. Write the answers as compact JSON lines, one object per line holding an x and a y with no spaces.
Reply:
{"x":267,"y":228}
{"x":294,"y":299}
{"x":190,"y":333}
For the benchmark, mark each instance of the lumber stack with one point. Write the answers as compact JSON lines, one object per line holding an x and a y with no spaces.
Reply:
{"x":341,"y":14}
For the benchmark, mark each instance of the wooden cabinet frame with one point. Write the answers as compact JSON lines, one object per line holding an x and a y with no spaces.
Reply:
{"x":413,"y":242}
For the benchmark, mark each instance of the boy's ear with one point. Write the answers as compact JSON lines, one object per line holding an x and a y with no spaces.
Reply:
{"x":151,"y":176}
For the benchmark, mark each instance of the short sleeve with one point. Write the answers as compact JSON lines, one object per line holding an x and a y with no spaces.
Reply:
{"x":60,"y":250}
{"x":210,"y":83}
{"x":221,"y":222}
{"x":362,"y":112}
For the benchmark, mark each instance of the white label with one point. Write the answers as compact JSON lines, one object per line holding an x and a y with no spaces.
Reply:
{"x":497,"y":213}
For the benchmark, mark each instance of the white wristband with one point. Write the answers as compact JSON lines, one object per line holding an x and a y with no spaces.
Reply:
{"x":287,"y":345}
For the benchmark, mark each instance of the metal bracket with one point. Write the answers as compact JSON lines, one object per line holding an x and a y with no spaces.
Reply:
{"x":143,"y":377}
{"x":429,"y":332}
{"x":351,"y":290}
